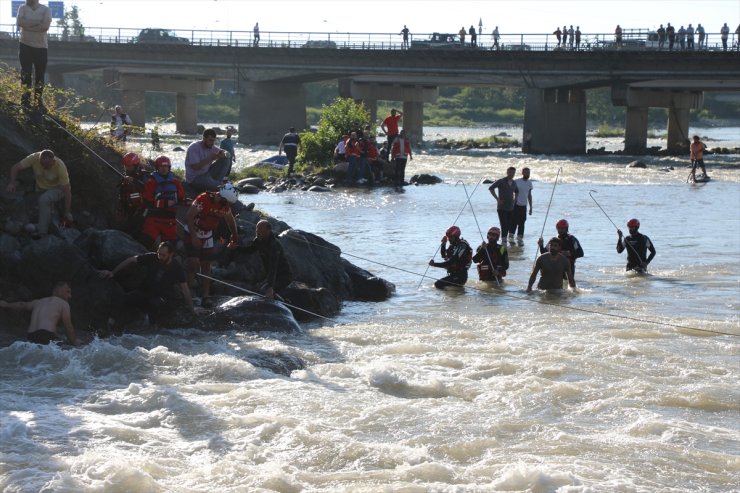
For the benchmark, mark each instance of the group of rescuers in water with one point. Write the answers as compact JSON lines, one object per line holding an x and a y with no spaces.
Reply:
{"x":148,"y":203}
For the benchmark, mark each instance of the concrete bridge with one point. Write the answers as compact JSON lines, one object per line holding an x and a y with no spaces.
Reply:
{"x":270,"y":82}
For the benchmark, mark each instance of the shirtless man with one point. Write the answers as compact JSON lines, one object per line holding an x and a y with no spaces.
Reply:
{"x":46,"y":314}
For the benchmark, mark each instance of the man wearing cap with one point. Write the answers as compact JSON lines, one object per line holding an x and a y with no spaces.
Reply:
{"x":52,"y":181}
{"x":637,"y":246}
{"x":206,"y":165}
{"x":290,"y":143}
{"x":553,"y":268}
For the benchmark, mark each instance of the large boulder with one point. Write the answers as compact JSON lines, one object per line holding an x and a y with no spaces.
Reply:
{"x":107,"y":248}
{"x":250,"y":313}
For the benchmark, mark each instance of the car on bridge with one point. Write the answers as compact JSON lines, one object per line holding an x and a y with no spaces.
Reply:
{"x":156,"y":35}
{"x":437,"y":41}
{"x":320,"y":43}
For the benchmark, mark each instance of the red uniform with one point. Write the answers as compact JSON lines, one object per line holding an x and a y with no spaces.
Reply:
{"x":161,"y":196}
{"x":391,"y":123}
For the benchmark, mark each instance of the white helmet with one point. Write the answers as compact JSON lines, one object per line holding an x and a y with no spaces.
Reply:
{"x":229,"y":193}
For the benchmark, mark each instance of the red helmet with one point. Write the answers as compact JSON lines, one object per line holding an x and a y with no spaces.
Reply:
{"x":130,"y":159}
{"x":562,"y":224}
{"x":453,"y":232}
{"x":633,"y":223}
{"x":494,"y":231}
{"x":162,"y":161}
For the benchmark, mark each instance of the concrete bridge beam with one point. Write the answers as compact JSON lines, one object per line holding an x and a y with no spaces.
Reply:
{"x":413,"y":120}
{"x":186,"y":114}
{"x":555,"y":121}
{"x":636,"y":129}
{"x":268,"y":109}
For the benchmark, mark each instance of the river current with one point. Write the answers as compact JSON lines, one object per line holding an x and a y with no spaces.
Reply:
{"x":627,"y":384}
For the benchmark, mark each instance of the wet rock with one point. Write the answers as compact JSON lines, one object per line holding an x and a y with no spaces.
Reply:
{"x":425,"y":179}
{"x":316,"y":188}
{"x":10,"y":253}
{"x":108,"y":248}
{"x":636,"y":164}
{"x":254,"y":181}
{"x":248,"y":189}
{"x":178,"y":149}
{"x":250,"y":313}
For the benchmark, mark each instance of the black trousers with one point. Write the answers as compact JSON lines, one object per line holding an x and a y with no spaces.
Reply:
{"x":505,"y":218}
{"x":400,"y":171}
{"x":455,"y":279}
{"x":518,"y":219}
{"x":33,"y":68}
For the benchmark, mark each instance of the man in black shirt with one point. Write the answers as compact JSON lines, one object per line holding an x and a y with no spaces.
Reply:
{"x":637,"y":246}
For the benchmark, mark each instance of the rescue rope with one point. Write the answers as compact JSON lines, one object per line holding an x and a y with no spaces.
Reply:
{"x":617,"y":227}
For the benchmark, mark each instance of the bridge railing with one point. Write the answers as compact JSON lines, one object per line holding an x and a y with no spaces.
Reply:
{"x":633,"y":39}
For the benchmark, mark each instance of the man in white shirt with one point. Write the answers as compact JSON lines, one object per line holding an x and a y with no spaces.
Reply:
{"x":33,"y":20}
{"x":523,"y":197}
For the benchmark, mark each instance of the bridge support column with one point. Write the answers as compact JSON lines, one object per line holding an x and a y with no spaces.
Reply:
{"x":678,"y":129}
{"x":555,"y":121}
{"x":413,"y":120}
{"x":268,"y":109}
{"x":372,"y":108}
{"x":636,"y":128}
{"x":134,"y":105}
{"x":186,"y":114}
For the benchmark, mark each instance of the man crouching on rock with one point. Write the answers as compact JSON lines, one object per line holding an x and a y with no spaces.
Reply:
{"x":46,"y":313}
{"x":277,"y":270}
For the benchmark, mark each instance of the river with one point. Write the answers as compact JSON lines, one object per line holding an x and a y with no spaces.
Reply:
{"x":627,"y":384}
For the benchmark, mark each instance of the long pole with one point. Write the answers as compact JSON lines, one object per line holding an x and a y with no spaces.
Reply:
{"x":453,"y":222}
{"x":615,"y":226}
{"x":547,"y":213}
{"x":485,"y":249}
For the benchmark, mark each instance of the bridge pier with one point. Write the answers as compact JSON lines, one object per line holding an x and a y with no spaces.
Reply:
{"x":555,"y":121}
{"x":635,"y":130}
{"x":268,"y":109}
{"x":186,"y":114}
{"x":413,"y":120}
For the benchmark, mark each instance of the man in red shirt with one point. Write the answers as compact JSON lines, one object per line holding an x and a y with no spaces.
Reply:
{"x":162,"y":193}
{"x":401,"y":153}
{"x":390,"y":126}
{"x":204,"y":216}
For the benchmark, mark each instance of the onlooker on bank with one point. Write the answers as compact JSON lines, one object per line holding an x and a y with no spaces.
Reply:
{"x":206,"y":165}
{"x":119,"y":124}
{"x":33,"y":20}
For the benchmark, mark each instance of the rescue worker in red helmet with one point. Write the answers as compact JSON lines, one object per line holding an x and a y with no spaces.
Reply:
{"x":130,"y":190}
{"x":570,"y":247}
{"x":637,"y":246}
{"x":457,"y":259}
{"x":492,"y":258}
{"x":205,"y":213}
{"x":162,"y":193}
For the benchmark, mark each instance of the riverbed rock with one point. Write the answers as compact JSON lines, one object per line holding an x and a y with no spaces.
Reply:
{"x":109,"y":247}
{"x":425,"y":179}
{"x":254,"y":181}
{"x":317,"y":188}
{"x":636,"y":164}
{"x":248,"y":189}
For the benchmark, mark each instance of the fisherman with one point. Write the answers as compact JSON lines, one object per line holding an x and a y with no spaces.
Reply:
{"x":162,"y":193}
{"x":637,"y":246}
{"x":457,"y":259}
{"x":274,"y":263}
{"x":204,"y":216}
{"x":130,"y":194}
{"x":553,"y":268}
{"x":492,"y":258}
{"x":570,"y":247}
{"x":697,"y":149}
{"x":119,"y":124}
{"x":290,"y":144}
{"x":46,"y":313}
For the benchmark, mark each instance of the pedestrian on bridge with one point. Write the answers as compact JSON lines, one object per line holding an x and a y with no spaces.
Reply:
{"x":405,"y":32}
{"x":558,"y":35}
{"x":257,"y":34}
{"x":690,"y":37}
{"x":724,"y":34}
{"x":462,"y":34}
{"x":578,"y":37}
{"x":618,"y":36}
{"x":473,"y":36}
{"x":496,"y":37}
{"x":670,"y":31}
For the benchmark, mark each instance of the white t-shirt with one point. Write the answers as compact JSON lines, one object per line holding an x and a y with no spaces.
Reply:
{"x":524,"y":187}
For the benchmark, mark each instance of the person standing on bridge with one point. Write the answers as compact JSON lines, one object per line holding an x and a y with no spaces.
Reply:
{"x":33,"y":20}
{"x":670,"y":32}
{"x":618,"y":36}
{"x":724,"y":34}
{"x":571,"y":35}
{"x":405,"y":32}
{"x":257,"y":34}
{"x":690,"y":37}
{"x":558,"y":35}
{"x":496,"y":37}
{"x":702,"y":36}
{"x":681,"y":39}
{"x":578,"y":38}
{"x":661,"y":37}
{"x":473,"y":36}
{"x":565,"y":36}
{"x":462,"y":34}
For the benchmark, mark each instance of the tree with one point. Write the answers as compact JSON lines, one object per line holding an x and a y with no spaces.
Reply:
{"x":341,"y":117}
{"x":71,"y":24}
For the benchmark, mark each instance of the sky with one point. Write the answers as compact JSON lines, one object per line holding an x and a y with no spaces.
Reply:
{"x":386,"y":16}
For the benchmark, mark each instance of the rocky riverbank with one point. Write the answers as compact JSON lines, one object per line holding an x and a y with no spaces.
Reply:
{"x":29,"y":267}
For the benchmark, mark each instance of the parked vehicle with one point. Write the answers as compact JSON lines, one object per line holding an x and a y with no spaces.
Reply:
{"x":436,"y":41}
{"x":320,"y":43}
{"x":156,"y":35}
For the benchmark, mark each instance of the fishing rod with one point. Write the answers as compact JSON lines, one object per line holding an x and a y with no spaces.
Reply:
{"x":617,"y":227}
{"x":485,"y":249}
{"x":261,"y":295}
{"x":547,"y":213}
{"x":453,"y":222}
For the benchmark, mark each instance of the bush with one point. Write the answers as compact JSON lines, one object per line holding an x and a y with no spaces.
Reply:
{"x":340,"y":117}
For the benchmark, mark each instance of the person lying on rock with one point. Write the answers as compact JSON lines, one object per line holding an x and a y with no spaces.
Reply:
{"x":277,"y":270}
{"x":162,"y":273}
{"x":46,"y":313}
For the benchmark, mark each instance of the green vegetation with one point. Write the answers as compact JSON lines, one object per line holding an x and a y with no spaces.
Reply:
{"x":263,"y":172}
{"x":71,"y":24}
{"x":605,"y":130}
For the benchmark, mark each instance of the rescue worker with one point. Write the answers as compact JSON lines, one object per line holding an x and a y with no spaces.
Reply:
{"x":401,"y":154}
{"x":697,"y":149}
{"x":162,"y":193}
{"x":457,"y":259}
{"x":278,"y":274}
{"x":204,"y":216}
{"x":570,"y":247}
{"x":130,"y":194}
{"x":637,"y":246}
{"x":492,"y":258}
{"x":290,"y":144}
{"x":553,"y":268}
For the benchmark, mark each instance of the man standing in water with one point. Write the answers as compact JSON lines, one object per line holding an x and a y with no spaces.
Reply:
{"x":46,"y":313}
{"x":290,"y":144}
{"x":523,"y":197}
{"x":457,"y":259}
{"x":552,"y":267}
{"x":506,"y":187}
{"x":697,"y":158}
{"x":637,"y":246}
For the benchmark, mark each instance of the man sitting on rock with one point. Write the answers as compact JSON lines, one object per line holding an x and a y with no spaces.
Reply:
{"x":46,"y":313}
{"x":162,"y":273}
{"x":204,"y":216}
{"x":277,"y":270}
{"x":52,"y":181}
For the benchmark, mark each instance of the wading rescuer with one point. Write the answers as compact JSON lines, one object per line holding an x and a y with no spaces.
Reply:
{"x":637,"y":246}
{"x":570,"y":247}
{"x":457,"y":259}
{"x":492,"y":258}
{"x":204,"y":216}
{"x":697,"y":158}
{"x":162,"y":193}
{"x":553,"y":268}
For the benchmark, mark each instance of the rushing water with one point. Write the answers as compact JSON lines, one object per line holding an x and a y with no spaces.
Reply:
{"x":625,"y":385}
